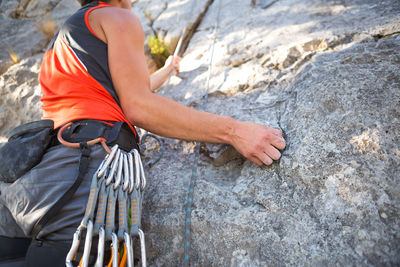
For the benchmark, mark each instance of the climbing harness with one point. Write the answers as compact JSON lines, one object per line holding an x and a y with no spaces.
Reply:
{"x":100,"y":140}
{"x":118,"y":179}
{"x":80,"y":132}
{"x":189,"y":200}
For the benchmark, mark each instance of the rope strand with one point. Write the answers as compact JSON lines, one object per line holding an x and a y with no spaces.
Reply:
{"x":189,"y":201}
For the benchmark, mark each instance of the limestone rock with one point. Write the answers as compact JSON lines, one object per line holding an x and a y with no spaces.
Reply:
{"x":25,"y":34}
{"x":19,"y":38}
{"x":36,"y":8}
{"x":169,"y":18}
{"x":20,"y":94}
{"x":327,"y":73}
{"x":28,"y":26}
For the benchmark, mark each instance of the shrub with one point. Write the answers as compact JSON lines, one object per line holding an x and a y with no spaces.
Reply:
{"x":159,"y":50}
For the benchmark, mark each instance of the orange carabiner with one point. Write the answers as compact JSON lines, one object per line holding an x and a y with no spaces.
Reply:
{"x":110,"y":263}
{"x":124,"y":257}
{"x":111,"y":259}
{"x":101,"y":140}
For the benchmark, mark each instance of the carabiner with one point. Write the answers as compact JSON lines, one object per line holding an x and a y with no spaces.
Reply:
{"x":140,"y":170}
{"x":126,"y":172}
{"x":115,"y":250}
{"x":101,"y":140}
{"x":131,"y":173}
{"x":142,"y":176}
{"x":157,"y":157}
{"x":88,"y":244}
{"x":74,"y":248}
{"x":109,"y":158}
{"x":100,"y":248}
{"x":114,"y":166}
{"x":137,"y":168}
{"x":142,"y":247}
{"x":118,"y":179}
{"x":122,"y":262}
{"x":129,"y":249}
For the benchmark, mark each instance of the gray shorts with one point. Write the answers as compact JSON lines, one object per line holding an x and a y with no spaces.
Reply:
{"x":26,"y":200}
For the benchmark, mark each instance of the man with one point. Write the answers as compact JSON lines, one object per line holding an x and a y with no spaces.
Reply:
{"x":122,"y":31}
{"x":95,"y":69}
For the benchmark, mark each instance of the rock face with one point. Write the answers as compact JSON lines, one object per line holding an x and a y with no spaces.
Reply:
{"x":27,"y":27}
{"x":325,"y":72}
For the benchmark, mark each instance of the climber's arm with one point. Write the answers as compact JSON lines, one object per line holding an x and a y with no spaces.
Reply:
{"x":158,"y":78}
{"x":168,"y":118}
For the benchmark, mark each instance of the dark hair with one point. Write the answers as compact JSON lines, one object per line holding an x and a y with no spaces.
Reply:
{"x":85,"y":2}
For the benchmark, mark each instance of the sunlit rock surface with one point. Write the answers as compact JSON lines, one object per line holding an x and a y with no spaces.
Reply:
{"x":26,"y":29}
{"x":327,"y":73}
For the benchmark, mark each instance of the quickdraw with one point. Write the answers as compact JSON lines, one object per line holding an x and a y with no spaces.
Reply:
{"x":117,"y":187}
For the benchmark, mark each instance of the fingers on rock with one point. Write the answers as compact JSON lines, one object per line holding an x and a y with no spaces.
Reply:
{"x":279,"y":143}
{"x":273,"y":153}
{"x":265,"y":159}
{"x":256,"y":161}
{"x":277,"y":132}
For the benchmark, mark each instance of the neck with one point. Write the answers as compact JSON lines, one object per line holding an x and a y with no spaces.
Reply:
{"x":115,"y":3}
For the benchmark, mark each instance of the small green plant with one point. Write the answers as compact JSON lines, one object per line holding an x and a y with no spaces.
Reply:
{"x":159,"y":50}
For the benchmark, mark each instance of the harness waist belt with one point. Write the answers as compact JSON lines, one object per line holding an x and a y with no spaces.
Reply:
{"x":114,"y":133}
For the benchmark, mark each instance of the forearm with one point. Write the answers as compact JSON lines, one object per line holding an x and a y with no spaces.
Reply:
{"x":125,"y":39}
{"x":167,"y":118}
{"x":158,"y":78}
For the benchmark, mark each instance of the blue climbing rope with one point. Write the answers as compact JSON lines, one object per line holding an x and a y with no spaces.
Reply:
{"x":193,"y":179}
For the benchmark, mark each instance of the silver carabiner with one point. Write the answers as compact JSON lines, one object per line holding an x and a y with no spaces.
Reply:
{"x":143,"y":176}
{"x":115,"y":250}
{"x":88,"y":244}
{"x":119,"y":172}
{"x":126,"y":172}
{"x":140,"y":169}
{"x":114,"y":166}
{"x":137,"y":169}
{"x":129,"y":249}
{"x":131,"y":177}
{"x":142,"y":248}
{"x":109,"y":158}
{"x":74,"y":248}
{"x":100,"y":248}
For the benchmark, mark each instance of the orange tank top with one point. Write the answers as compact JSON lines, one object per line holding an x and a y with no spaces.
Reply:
{"x":75,"y":78}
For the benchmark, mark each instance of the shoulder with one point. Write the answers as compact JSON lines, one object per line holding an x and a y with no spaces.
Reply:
{"x":119,"y":19}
